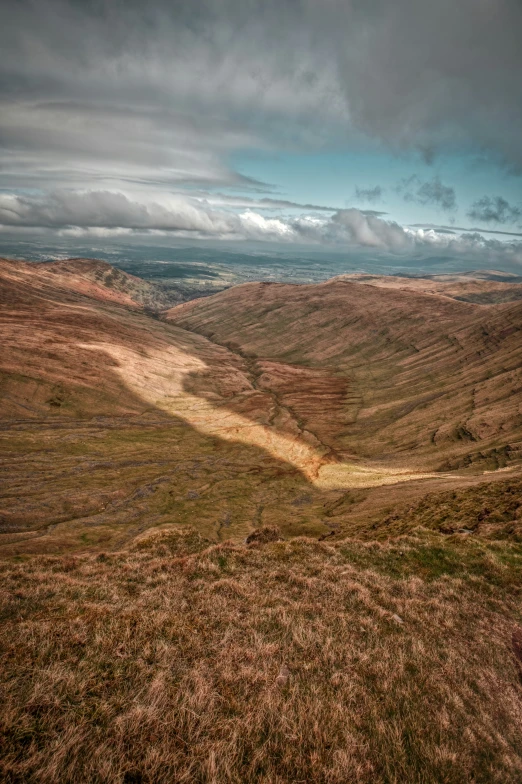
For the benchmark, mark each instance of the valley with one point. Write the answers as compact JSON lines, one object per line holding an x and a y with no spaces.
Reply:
{"x":269,"y":535}
{"x":322,"y":409}
{"x":260,"y":392}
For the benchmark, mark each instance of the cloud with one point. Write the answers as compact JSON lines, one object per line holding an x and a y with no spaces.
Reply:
{"x":98,"y":94}
{"x":108,"y":211}
{"x":431,"y":192}
{"x":494,"y":209}
{"x":264,"y":203}
{"x":369,"y":194}
{"x":102,"y":213}
{"x":105,"y":214}
{"x":466,"y":229}
{"x":369,"y":231}
{"x":436,"y":76}
{"x":351,"y":227}
{"x":268,"y":204}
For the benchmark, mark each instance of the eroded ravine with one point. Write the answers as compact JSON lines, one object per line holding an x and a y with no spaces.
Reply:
{"x":280,"y":410}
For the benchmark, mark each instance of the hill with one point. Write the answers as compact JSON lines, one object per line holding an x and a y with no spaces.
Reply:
{"x":101,"y":281}
{"x":95,"y":279}
{"x":413,"y":377}
{"x":273,"y":535}
{"x":316,"y":408}
{"x":180,"y":660}
{"x":485,"y":287}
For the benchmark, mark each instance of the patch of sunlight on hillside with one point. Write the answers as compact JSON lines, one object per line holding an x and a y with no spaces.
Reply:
{"x":158,"y":376}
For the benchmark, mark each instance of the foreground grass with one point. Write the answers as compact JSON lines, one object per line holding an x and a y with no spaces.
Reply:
{"x":289,"y":661}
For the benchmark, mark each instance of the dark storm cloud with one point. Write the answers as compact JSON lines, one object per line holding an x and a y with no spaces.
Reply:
{"x":431,"y":192}
{"x":494,"y":209}
{"x":369,"y":194}
{"x":123,"y":89}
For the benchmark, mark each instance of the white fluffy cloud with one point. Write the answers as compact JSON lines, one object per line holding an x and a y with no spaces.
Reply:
{"x":111,"y":214}
{"x":370,"y":230}
{"x":107,"y":211}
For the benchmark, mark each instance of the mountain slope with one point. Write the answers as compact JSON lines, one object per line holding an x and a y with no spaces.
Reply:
{"x":483,"y":288}
{"x":289,"y":661}
{"x":328,"y":407}
{"x":112,"y":422}
{"x":419,"y":374}
{"x":95,"y":279}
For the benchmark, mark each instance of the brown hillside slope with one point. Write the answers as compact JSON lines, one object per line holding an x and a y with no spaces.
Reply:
{"x":416,"y":373}
{"x":112,"y":422}
{"x":481,"y":290}
{"x":292,"y":661}
{"x":96,"y":279}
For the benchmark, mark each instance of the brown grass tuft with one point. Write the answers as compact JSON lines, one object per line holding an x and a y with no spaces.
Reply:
{"x":284,"y":663}
{"x":268,"y":533}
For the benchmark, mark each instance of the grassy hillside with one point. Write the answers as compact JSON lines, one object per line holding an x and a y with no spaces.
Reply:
{"x":421,"y":377}
{"x":273,"y":537}
{"x":277,"y":662}
{"x":482,"y":288}
{"x":113,"y":422}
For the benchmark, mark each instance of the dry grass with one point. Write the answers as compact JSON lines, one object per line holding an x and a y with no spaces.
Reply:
{"x":290,"y":661}
{"x":426,"y":382}
{"x":188,"y":659}
{"x":493,"y":509}
{"x":113,"y":422}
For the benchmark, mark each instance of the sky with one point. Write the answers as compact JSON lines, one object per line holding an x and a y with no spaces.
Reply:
{"x":391,"y":125}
